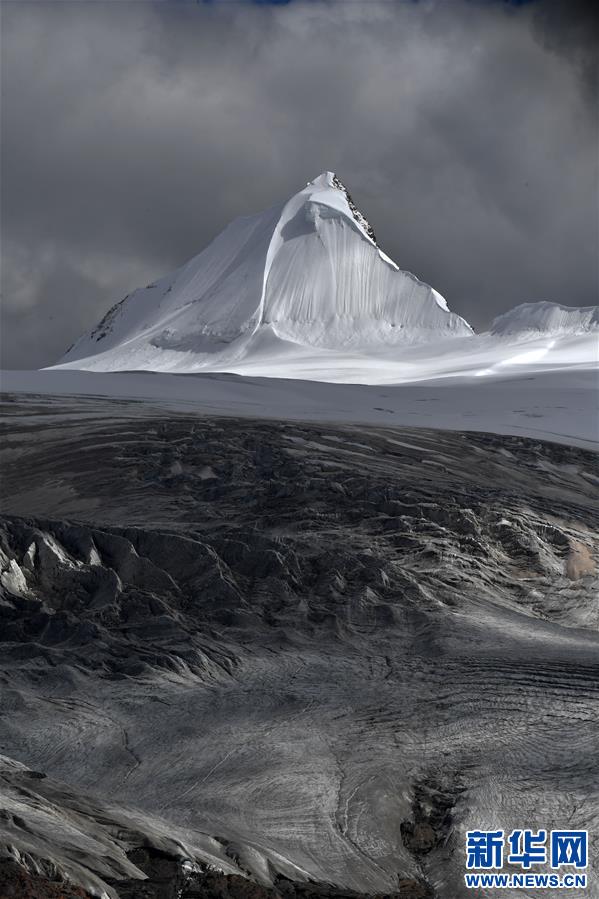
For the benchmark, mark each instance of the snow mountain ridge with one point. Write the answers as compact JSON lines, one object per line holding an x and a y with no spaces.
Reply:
{"x":547,"y":318}
{"x":302,"y":290}
{"x":308,"y":273}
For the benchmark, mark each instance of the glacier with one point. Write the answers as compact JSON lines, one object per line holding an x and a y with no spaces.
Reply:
{"x":305,"y":650}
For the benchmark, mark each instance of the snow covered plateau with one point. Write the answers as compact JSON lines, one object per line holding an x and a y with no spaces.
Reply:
{"x":298,"y":581}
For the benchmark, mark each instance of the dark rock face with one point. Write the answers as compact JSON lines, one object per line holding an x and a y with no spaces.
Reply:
{"x":432,"y":805}
{"x":166,"y":880}
{"x":359,"y":217}
{"x":298,"y":652}
{"x":18,"y":883}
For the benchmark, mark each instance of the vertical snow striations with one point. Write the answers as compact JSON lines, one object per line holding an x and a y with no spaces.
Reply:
{"x":329,"y":285}
{"x":309,"y":273}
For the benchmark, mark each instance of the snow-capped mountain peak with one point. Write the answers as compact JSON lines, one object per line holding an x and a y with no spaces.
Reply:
{"x":307,"y":273}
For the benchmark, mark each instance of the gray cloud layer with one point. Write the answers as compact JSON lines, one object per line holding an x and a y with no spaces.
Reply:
{"x":133,"y":132}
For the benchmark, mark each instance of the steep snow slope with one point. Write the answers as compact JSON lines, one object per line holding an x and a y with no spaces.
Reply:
{"x":307,"y":273}
{"x":547,"y":318}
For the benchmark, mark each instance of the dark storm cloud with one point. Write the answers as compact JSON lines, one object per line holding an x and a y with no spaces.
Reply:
{"x":571,"y":27}
{"x":133,"y":132}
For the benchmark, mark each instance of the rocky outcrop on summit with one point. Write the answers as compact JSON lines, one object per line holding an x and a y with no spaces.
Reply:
{"x":361,"y":219}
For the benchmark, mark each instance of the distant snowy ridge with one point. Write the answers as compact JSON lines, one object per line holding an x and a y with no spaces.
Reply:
{"x":308,"y":273}
{"x":547,"y":318}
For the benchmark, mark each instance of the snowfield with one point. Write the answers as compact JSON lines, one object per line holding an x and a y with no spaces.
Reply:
{"x":560,"y":406}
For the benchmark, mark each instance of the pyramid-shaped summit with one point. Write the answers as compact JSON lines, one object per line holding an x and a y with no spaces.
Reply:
{"x":307,"y":273}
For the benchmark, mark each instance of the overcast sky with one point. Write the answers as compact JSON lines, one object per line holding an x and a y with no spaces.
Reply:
{"x":133,"y":132}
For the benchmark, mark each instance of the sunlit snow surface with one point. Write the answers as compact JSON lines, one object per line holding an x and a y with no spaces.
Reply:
{"x":559,"y":405}
{"x":540,"y":385}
